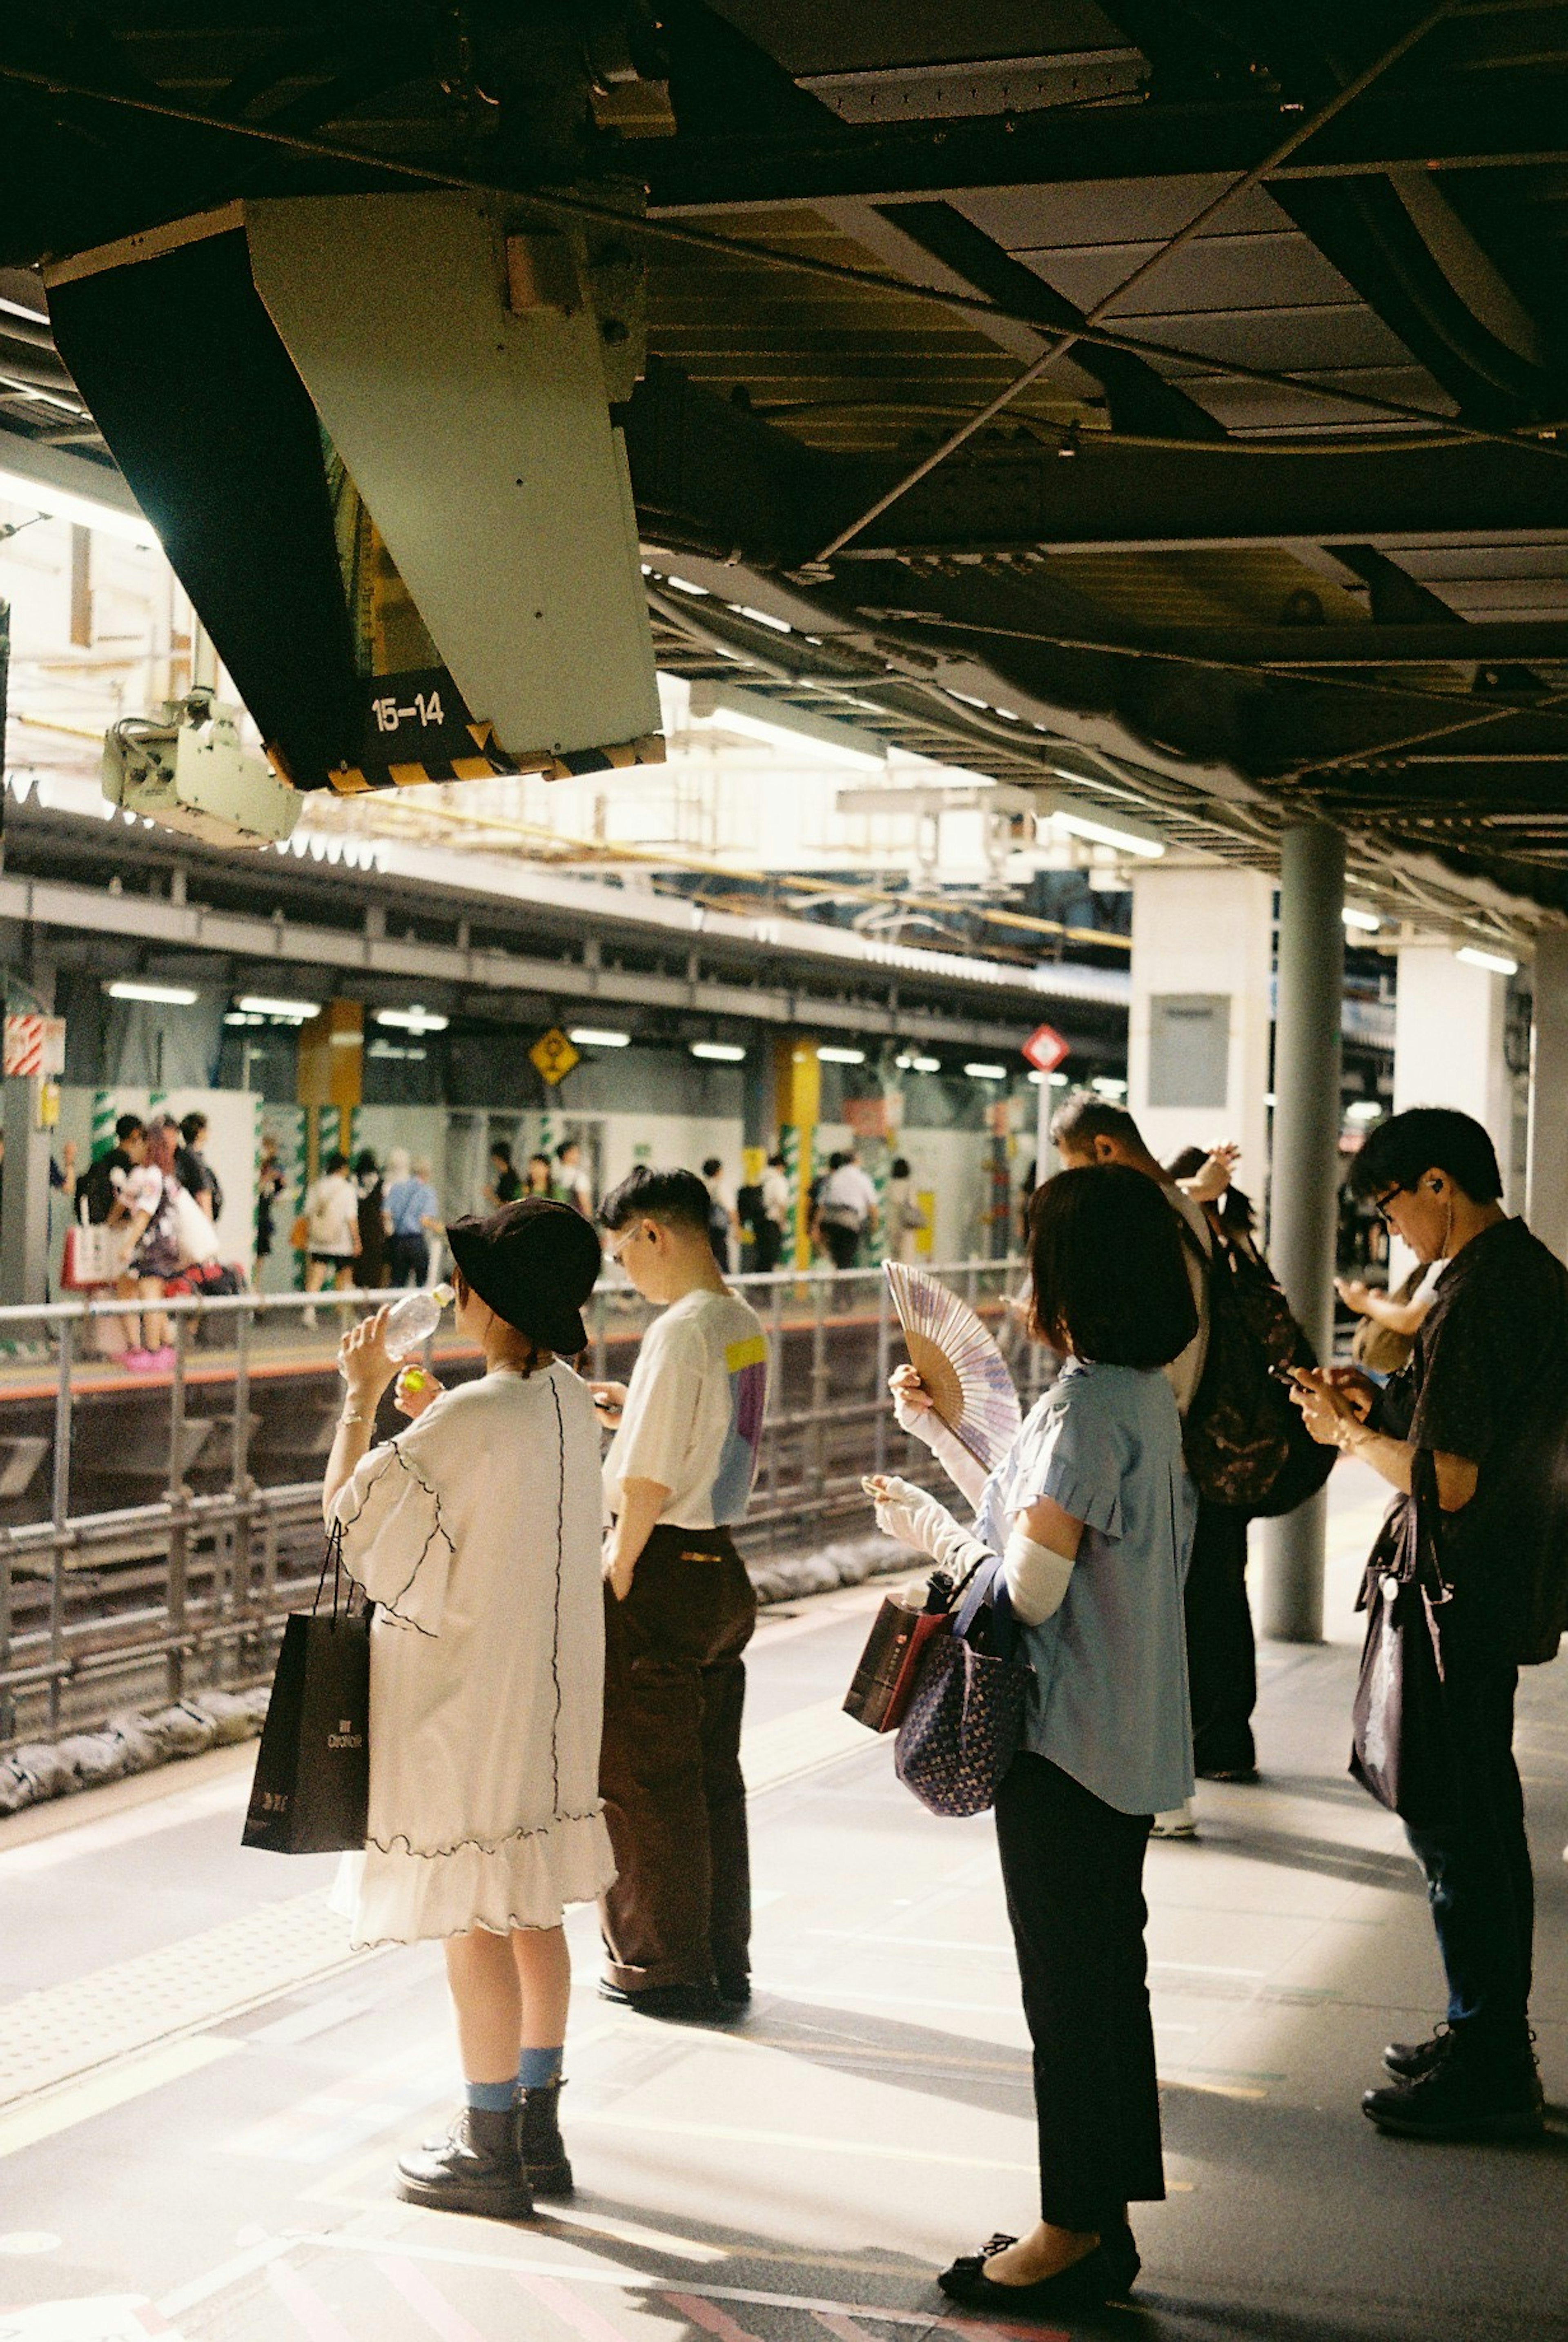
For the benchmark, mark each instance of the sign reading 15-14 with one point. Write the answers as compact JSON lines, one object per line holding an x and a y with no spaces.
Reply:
{"x":426,"y":710}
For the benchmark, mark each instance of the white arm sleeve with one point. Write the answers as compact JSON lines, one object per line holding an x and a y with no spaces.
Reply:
{"x":1037,"y":1578}
{"x":967,"y":1475}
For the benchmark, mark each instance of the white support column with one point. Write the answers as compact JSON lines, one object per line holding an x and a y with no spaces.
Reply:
{"x":1448,"y":1041}
{"x":1546,"y":1183}
{"x":1198,"y":1039}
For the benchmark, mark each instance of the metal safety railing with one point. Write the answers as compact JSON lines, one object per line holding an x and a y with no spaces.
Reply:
{"x":157,"y":1527}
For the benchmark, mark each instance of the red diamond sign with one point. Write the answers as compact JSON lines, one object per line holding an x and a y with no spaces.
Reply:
{"x":1045,"y":1048}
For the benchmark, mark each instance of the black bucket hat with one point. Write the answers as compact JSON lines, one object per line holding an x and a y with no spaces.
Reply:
{"x":535,"y":1263}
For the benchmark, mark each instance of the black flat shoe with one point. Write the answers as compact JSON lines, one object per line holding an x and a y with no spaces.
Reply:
{"x":1106,"y":2274}
{"x":475,"y":2168}
{"x":736,"y":1991}
{"x":676,"y":2004}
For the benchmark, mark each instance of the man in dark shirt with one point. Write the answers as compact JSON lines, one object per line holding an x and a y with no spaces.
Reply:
{"x":1486,"y":1393}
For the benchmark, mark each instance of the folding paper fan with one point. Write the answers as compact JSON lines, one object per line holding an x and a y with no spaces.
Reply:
{"x":958,"y":1362}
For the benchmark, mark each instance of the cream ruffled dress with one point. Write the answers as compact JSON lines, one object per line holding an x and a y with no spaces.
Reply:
{"x":476,"y":1532}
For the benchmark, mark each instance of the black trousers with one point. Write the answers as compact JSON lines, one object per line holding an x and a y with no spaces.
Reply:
{"x":1477,"y":1864}
{"x":1222,"y":1654}
{"x":1074,"y":1870}
{"x":843,"y":1243}
{"x":679,"y":1911}
{"x":408,"y":1260}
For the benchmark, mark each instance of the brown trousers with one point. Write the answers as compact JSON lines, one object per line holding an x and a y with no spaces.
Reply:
{"x":670,"y":1770}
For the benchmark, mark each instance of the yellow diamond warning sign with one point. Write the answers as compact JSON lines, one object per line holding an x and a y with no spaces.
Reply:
{"x":554,"y":1055}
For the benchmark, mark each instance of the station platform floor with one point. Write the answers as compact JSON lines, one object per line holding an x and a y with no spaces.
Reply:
{"x":202,"y":2095}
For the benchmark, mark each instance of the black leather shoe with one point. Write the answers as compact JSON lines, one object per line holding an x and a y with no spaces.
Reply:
{"x":1463,"y":2097}
{"x":676,"y":2004}
{"x":1107,"y":2274}
{"x":736,"y":1991}
{"x":475,"y":2168}
{"x":1408,"y":2060}
{"x":540,"y":2146}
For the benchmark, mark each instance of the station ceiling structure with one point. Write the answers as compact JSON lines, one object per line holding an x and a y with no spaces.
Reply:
{"x":1160,"y":405}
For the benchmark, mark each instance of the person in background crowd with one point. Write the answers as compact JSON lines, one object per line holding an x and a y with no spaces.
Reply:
{"x":680,"y":1610}
{"x":475,"y":1532}
{"x":572,"y":1181}
{"x":906,"y":1220}
{"x":506,"y":1186}
{"x":146,"y":1207}
{"x":1485,"y":1397}
{"x":1221,"y":1657}
{"x":332,"y":1229}
{"x":192,"y":1169}
{"x":846,"y":1210}
{"x":1389,"y":1322}
{"x":271,"y":1181}
{"x":1087,"y":1523}
{"x":101,"y":1184}
{"x":724,"y":1220}
{"x":539,"y":1179}
{"x":372,"y":1216}
{"x":413,"y":1217}
{"x":778,"y":1203}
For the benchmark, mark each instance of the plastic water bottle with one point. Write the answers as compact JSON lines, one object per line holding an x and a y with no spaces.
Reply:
{"x":413,"y":1320}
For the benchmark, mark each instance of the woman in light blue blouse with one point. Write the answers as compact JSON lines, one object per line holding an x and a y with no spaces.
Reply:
{"x":1092,"y":1514}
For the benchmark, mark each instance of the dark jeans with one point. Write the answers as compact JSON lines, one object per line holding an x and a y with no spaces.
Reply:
{"x":679,"y":1911}
{"x":408,"y":1260}
{"x":1477,"y":1865}
{"x":843,"y":1243}
{"x":1074,"y":1870}
{"x":1221,"y":1656}
{"x":767,"y":1246}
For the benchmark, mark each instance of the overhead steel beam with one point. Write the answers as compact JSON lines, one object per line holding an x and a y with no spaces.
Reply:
{"x":1519,"y":121}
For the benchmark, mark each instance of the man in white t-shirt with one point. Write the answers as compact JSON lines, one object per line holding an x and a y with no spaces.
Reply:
{"x":680,"y":1610}
{"x":846,"y":1208}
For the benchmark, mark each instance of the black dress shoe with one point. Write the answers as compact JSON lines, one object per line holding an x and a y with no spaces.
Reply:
{"x":676,"y":2004}
{"x":1247,"y":1775}
{"x":540,"y":2146}
{"x":476,"y":2168}
{"x":736,"y":1991}
{"x":1106,"y":2274}
{"x":1463,"y":2096}
{"x":1408,"y":2060}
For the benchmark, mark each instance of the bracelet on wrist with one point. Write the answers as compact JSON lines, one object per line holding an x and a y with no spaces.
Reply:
{"x":352,"y":1414}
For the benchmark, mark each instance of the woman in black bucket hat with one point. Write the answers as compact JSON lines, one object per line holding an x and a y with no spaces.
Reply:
{"x":475,"y":1531}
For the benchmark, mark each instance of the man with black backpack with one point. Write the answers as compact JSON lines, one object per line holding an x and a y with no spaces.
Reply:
{"x":1473,"y":1434}
{"x":99,"y":1185}
{"x":1242,"y":1450}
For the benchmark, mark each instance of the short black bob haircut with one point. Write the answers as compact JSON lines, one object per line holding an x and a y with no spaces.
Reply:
{"x":1428,"y":1139}
{"x":1110,"y":1279}
{"x":677,"y":1199}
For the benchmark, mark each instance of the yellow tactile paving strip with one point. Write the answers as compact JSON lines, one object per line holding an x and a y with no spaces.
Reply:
{"x":48,"y":2036}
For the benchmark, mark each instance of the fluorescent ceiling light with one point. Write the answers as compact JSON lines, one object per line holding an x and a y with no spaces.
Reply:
{"x":593,"y":1037}
{"x":1497,"y":962}
{"x":1101,"y":833}
{"x":926,"y":1065}
{"x":170,"y":996}
{"x":684,"y":585}
{"x":729,"y":718}
{"x":63,"y":504}
{"x":1058,"y":1081}
{"x":1367,"y":922}
{"x":763,"y":617}
{"x":979,"y":1073}
{"x":16,"y":309}
{"x":239,"y":1016}
{"x":721,"y":1053}
{"x":299,"y":1011}
{"x":396,"y":1049}
{"x":834,"y":1057}
{"x":1363,"y":1110}
{"x":1108,"y":1086}
{"x":414,"y":1020}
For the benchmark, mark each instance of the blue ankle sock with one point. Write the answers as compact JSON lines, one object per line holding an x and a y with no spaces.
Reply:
{"x":536,"y":2068}
{"x":489,"y":2097}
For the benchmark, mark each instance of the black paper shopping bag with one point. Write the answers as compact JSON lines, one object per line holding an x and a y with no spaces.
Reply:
{"x":312,"y":1786}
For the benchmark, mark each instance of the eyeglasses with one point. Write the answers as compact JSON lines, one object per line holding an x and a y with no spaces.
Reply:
{"x":1381,"y":1203}
{"x":617,"y":1251}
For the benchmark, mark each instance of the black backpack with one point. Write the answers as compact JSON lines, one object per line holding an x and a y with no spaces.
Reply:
{"x":95,"y":1188}
{"x":1244,"y":1440}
